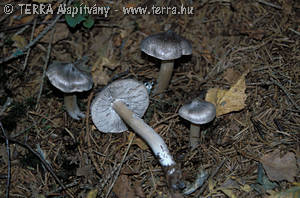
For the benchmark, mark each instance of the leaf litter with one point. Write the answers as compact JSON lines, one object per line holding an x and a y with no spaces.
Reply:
{"x":246,"y":58}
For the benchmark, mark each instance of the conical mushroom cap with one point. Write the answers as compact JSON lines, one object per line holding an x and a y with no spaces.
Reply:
{"x":131,"y":92}
{"x":68,"y":78}
{"x":166,"y":46}
{"x":198,"y":112}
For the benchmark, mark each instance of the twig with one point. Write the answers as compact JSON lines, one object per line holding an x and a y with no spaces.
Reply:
{"x":74,"y":183}
{"x":285,"y":91}
{"x":44,"y":68}
{"x":29,"y":50}
{"x":269,"y":4}
{"x":164,"y":120}
{"x":211,"y":176}
{"x":120,"y":166}
{"x":38,"y":155}
{"x":42,"y":34}
{"x":88,"y":135}
{"x":199,"y":181}
{"x":6,"y":104}
{"x":296,"y":32}
{"x":8,"y":160}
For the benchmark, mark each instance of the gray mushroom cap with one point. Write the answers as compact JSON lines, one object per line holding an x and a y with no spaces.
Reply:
{"x":198,"y":112}
{"x":166,"y":46}
{"x":131,"y":92}
{"x":68,"y":78}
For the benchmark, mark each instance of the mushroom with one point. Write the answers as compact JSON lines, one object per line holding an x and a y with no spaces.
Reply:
{"x":127,"y":101}
{"x":70,"y":79}
{"x":197,"y":112}
{"x":166,"y":46}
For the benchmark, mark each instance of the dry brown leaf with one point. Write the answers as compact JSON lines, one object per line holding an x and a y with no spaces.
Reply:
{"x":100,"y":76}
{"x":26,"y":19}
{"x":123,"y":188}
{"x":227,"y":101}
{"x":231,"y":76}
{"x":279,"y":167}
{"x":138,"y":189}
{"x":61,"y":33}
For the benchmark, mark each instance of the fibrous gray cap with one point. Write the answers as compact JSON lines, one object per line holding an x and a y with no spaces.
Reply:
{"x":198,"y":112}
{"x":166,"y":46}
{"x":68,"y":78}
{"x":131,"y":92}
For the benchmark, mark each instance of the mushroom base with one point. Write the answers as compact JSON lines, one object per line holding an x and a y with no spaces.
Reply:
{"x":70,"y":102}
{"x":173,"y":176}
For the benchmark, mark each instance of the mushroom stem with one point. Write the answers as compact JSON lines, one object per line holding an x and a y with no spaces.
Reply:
{"x":70,"y":102}
{"x":194,"y":135}
{"x":164,"y":76}
{"x":156,"y":143}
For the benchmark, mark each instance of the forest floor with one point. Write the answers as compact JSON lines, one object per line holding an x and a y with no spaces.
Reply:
{"x":247,"y":50}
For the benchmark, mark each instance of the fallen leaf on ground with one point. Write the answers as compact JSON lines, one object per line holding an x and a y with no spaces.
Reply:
{"x":279,"y":167}
{"x":92,"y":194}
{"x":231,"y":76}
{"x":228,"y":192}
{"x":293,"y":192}
{"x":227,"y":101}
{"x":20,"y":41}
{"x":100,"y":76}
{"x":122,"y":187}
{"x":61,"y":33}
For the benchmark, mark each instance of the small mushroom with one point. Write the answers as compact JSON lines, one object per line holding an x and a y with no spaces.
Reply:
{"x":166,"y":46}
{"x":70,"y":79}
{"x":197,"y":112}
{"x":127,"y":101}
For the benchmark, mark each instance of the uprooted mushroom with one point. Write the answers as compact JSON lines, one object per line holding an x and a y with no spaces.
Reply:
{"x":127,"y":101}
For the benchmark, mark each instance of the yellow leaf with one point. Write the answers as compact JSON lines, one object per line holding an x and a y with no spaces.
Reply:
{"x":227,"y":101}
{"x":246,"y":188}
{"x":228,"y":192}
{"x":110,"y":63}
{"x":92,"y":194}
{"x":293,"y":192}
{"x":20,"y":41}
{"x":211,"y":184}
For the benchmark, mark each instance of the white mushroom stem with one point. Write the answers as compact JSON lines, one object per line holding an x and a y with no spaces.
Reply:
{"x":164,"y":76}
{"x":194,"y":135}
{"x":155,"y":142}
{"x":70,"y":102}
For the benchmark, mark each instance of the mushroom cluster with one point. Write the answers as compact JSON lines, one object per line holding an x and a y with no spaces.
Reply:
{"x":122,"y":103}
